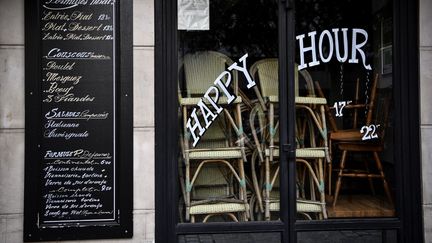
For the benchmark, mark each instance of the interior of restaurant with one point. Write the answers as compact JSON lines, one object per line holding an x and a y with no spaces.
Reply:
{"x":229,"y":149}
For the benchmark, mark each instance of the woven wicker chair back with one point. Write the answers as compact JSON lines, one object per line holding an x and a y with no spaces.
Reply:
{"x":267,"y":71}
{"x":202,"y":68}
{"x":212,"y":182}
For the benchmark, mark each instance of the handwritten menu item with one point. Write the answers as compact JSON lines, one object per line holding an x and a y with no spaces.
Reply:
{"x":78,"y":93}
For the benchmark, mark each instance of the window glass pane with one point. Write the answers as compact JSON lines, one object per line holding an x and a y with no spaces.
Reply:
{"x":228,"y":77}
{"x":344,"y":123}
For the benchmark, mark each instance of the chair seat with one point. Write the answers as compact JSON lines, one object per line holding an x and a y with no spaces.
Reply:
{"x":302,"y":206}
{"x":222,"y":100}
{"x":302,"y":153}
{"x":216,"y":154}
{"x":361,"y":147}
{"x":302,"y":100}
{"x":217,"y":208}
{"x":310,"y":100}
{"x":206,"y":144}
{"x":346,"y":135}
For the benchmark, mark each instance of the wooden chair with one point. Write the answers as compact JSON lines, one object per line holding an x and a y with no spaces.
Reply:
{"x":366,"y":137}
{"x":214,"y":178}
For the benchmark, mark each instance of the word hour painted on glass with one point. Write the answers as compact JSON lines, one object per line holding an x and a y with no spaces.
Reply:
{"x":359,"y":38}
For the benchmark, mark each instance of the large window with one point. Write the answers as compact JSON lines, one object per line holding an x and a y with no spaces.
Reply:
{"x":224,"y":66}
{"x":346,"y":48}
{"x":284,"y":117}
{"x":229,"y":111}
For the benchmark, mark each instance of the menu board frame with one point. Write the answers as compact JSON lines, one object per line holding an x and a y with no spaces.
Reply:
{"x":121,"y":225}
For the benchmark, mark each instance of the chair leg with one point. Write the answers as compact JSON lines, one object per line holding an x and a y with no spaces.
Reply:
{"x":243,"y":192}
{"x":302,"y":183}
{"x":256,"y":183}
{"x":312,"y":188}
{"x":321,"y":187}
{"x":340,"y":175}
{"x":330,"y":171}
{"x":386,"y":186}
{"x":271,"y":129}
{"x":267,"y":189}
{"x":330,"y":168}
{"x":188,"y":190}
{"x":324,"y":134}
{"x":369,"y":178}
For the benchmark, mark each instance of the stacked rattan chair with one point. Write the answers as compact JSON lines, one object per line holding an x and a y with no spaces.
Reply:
{"x":309,"y":159}
{"x":214,"y":180}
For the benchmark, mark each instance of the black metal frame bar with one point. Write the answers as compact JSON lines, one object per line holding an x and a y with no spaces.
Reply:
{"x":166,"y":131}
{"x":406,"y":83}
{"x":123,"y":227}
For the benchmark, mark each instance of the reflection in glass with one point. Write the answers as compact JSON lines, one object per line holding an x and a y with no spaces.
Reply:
{"x":346,"y":48}
{"x":228,"y":90}
{"x":218,"y":161}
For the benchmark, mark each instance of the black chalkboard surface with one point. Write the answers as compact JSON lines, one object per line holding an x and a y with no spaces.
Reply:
{"x":78,"y":119}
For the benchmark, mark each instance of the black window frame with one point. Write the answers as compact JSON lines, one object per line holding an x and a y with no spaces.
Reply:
{"x":408,"y":224}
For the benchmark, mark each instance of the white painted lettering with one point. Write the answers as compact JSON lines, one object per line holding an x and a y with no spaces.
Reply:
{"x":303,"y":50}
{"x":193,"y":128}
{"x":357,"y":47}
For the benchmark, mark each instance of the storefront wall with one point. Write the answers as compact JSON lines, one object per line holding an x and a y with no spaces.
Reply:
{"x":12,"y":122}
{"x":12,"y":119}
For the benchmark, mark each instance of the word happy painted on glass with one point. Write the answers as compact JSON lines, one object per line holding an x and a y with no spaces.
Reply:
{"x":221,"y":83}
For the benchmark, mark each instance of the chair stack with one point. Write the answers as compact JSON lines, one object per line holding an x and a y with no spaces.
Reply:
{"x":309,"y":159}
{"x":214,"y":182}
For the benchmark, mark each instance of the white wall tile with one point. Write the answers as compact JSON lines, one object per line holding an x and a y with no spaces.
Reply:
{"x":426,"y":143}
{"x":140,"y":217}
{"x":139,"y":225}
{"x":12,"y":22}
{"x":425,"y":23}
{"x":143,"y":86}
{"x":143,"y":22}
{"x":144,"y":187}
{"x":11,"y":87}
{"x":103,"y":241}
{"x":14,"y":228}
{"x":426,"y":86}
{"x":427,"y":213}
{"x":11,"y":229}
{"x":2,"y":228}
{"x":143,"y":221}
{"x":150,"y":226}
{"x":11,"y":171}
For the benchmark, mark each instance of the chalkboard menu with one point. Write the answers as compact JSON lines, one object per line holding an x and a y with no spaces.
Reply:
{"x":79,"y":102}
